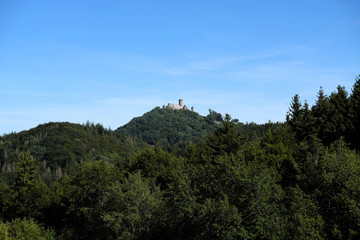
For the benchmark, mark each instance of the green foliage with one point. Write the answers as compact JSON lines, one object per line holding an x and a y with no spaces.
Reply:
{"x":340,"y":122}
{"x":329,"y":119}
{"x":295,"y":116}
{"x":207,"y":177}
{"x":28,"y":192}
{"x":321,"y":113}
{"x":339,"y":191}
{"x":83,"y":194}
{"x":131,"y":209}
{"x":169,"y":127}
{"x":301,"y":120}
{"x":60,"y":147}
{"x":355,"y":113}
{"x":304,"y":221}
{"x":226,"y":139}
{"x":217,"y":220}
{"x":158,"y":165}
{"x":24,"y":229}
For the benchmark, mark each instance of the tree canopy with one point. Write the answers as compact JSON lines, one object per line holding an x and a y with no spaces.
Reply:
{"x":294,"y":180}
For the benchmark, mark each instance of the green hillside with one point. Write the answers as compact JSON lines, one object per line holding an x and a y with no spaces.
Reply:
{"x":168,"y":127}
{"x":61,"y":146}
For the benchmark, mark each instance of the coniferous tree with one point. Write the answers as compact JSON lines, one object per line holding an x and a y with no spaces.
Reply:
{"x":225,"y":139}
{"x":321,"y":113}
{"x":355,"y":113}
{"x":29,"y":191}
{"x":340,"y":123}
{"x":294,"y":117}
{"x":308,"y":128}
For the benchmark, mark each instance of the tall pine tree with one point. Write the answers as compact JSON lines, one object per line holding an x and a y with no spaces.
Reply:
{"x":321,"y":113}
{"x":294,"y":117}
{"x":355,"y":113}
{"x":340,"y":122}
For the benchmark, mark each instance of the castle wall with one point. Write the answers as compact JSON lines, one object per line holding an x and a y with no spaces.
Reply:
{"x":180,"y":106}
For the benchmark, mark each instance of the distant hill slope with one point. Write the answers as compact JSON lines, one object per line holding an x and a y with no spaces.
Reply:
{"x":64,"y":145}
{"x":168,"y":127}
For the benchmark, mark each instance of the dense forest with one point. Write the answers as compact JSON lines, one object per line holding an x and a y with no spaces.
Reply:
{"x":178,"y":175}
{"x":169,"y":127}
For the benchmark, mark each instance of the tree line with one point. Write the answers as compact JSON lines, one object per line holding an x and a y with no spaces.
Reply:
{"x":294,"y":180}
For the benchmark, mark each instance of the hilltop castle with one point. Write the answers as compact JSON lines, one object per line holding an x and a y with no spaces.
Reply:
{"x":178,"y":107}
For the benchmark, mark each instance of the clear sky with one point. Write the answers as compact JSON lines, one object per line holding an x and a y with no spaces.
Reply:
{"x":110,"y":61}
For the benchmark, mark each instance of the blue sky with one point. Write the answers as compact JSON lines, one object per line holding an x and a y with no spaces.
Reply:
{"x":110,"y":61}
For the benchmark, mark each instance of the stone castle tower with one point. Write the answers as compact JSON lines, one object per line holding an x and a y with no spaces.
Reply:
{"x":178,"y":107}
{"x":181,"y":102}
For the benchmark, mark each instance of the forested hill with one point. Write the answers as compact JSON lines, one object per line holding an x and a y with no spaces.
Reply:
{"x":168,"y":127}
{"x":60,"y":147}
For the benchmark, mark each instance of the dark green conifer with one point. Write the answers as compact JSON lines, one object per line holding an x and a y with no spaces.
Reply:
{"x":339,"y":120}
{"x":355,"y":113}
{"x":294,"y":117}
{"x":321,"y":113}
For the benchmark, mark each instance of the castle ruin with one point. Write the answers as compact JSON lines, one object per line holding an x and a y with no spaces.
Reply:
{"x":178,"y":107}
